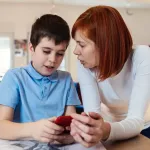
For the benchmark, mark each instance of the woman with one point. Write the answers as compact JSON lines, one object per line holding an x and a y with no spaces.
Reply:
{"x":114,"y":78}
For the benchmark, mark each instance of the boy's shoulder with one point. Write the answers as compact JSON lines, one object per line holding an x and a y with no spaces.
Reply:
{"x":16,"y":71}
{"x":63,"y":74}
{"x":13,"y":76}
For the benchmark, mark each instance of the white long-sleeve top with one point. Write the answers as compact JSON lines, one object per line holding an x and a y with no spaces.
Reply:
{"x":122,"y":100}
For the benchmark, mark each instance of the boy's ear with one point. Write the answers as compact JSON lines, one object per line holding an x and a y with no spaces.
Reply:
{"x":31,"y":47}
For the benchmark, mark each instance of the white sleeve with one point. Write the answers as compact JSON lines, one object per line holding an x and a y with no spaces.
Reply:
{"x":138,"y":103}
{"x":89,"y":89}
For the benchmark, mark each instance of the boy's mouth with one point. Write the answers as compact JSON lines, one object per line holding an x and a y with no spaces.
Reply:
{"x":50,"y":67}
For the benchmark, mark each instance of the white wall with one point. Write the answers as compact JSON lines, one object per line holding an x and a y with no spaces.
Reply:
{"x":139,"y":25}
{"x":18,"y":18}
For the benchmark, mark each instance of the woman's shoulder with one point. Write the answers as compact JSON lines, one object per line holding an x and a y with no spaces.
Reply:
{"x":141,"y":52}
{"x":140,"y":57}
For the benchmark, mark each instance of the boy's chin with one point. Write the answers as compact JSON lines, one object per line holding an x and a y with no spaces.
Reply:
{"x":47,"y":73}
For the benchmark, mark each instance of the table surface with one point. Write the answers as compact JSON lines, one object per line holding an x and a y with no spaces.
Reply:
{"x":137,"y":143}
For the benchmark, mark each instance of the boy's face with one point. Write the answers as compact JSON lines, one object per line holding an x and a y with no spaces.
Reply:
{"x":47,"y":56}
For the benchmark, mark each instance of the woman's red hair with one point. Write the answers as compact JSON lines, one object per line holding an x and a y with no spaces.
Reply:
{"x":107,"y":29}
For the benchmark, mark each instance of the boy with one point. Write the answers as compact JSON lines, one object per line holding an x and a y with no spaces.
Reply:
{"x":31,"y":96}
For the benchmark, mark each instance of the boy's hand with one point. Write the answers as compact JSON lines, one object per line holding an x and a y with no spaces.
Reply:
{"x":46,"y":130}
{"x":65,"y":138}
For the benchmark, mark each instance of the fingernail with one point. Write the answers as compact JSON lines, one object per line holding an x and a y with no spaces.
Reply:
{"x":88,"y":113}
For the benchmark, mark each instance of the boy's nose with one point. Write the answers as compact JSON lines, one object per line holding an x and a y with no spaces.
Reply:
{"x":52,"y":58}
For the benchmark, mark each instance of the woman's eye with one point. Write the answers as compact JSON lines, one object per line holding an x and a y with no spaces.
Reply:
{"x":82,"y":46}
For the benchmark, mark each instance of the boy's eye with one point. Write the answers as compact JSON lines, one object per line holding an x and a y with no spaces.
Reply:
{"x":60,"y":54}
{"x":46,"y":52}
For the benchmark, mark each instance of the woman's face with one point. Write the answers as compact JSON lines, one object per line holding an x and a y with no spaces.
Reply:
{"x":86,"y":50}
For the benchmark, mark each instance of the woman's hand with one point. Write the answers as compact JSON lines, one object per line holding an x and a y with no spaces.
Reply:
{"x":89,"y":130}
{"x":46,"y":130}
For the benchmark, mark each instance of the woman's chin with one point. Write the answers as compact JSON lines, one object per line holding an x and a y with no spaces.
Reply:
{"x":88,"y":66}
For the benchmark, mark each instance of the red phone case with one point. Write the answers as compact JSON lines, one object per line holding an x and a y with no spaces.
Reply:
{"x":63,"y":121}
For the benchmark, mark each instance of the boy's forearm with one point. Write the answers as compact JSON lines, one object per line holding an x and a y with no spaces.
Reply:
{"x":14,"y":131}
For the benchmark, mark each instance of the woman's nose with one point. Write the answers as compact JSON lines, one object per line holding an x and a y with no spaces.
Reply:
{"x":76,"y":51}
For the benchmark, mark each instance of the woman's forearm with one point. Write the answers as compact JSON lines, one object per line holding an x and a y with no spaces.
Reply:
{"x":125,"y":129}
{"x":13,"y":131}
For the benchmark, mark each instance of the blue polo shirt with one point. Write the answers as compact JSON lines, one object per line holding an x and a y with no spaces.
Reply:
{"x":33,"y":96}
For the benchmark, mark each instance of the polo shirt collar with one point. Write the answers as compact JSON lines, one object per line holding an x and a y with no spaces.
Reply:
{"x":53,"y":77}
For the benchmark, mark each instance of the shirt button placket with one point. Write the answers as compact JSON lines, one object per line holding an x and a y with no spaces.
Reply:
{"x":45,"y":88}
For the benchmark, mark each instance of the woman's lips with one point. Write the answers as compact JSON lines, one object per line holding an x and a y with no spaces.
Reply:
{"x":82,"y":62}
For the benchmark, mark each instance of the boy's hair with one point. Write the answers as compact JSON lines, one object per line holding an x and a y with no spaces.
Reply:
{"x":50,"y":26}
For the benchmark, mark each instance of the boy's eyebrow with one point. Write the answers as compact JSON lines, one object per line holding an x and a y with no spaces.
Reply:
{"x":48,"y":48}
{"x":63,"y":50}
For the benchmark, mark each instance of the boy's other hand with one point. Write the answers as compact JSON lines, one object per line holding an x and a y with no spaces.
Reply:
{"x":64,"y":138}
{"x":45,"y":130}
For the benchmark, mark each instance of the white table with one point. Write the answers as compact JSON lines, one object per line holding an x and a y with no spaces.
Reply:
{"x":33,"y":145}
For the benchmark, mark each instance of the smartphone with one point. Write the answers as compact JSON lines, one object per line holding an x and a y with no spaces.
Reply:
{"x":63,"y":121}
